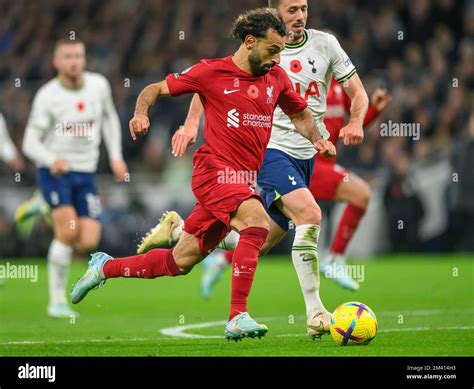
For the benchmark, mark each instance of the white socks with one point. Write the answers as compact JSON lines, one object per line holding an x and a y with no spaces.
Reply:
{"x":59,"y":261}
{"x":230,"y":241}
{"x":305,"y":259}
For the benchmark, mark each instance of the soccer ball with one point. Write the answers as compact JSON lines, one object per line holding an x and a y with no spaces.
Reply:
{"x":353,"y":323}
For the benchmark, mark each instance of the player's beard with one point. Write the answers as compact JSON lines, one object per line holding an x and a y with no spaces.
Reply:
{"x":256,"y":64}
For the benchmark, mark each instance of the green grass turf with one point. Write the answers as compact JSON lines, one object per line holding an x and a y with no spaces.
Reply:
{"x":126,"y":316}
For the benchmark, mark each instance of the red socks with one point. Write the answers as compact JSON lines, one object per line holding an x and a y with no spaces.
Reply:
{"x":348,"y":224}
{"x":155,"y":263}
{"x":244,"y":264}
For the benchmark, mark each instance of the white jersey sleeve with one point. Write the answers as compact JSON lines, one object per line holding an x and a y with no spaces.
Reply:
{"x":8,"y":151}
{"x":111,"y":129}
{"x":38,"y":124}
{"x":341,"y":65}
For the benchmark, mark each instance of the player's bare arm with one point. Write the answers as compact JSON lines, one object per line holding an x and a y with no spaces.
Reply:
{"x":140,"y":123}
{"x":186,"y":135}
{"x":353,"y":133}
{"x":305,"y":125}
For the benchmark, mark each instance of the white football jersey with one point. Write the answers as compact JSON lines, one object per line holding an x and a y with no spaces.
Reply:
{"x":310,"y":65}
{"x":8,"y":150}
{"x":71,"y":122}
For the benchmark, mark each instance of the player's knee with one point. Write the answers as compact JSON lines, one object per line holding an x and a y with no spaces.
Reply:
{"x":308,"y":214}
{"x":363,"y":197}
{"x":259,"y":219}
{"x":185,"y":265}
{"x":186,"y":258}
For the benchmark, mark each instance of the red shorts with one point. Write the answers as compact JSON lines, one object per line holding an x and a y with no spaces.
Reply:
{"x":325,"y":180}
{"x":216,"y":200}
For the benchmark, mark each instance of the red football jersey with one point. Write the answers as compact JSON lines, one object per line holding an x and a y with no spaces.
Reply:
{"x":338,"y":104}
{"x":238,"y":108}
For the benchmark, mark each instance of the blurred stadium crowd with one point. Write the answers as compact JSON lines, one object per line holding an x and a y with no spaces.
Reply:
{"x":422,"y":51}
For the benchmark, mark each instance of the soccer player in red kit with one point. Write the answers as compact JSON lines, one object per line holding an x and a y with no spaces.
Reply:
{"x":332,"y":182}
{"x":239,"y":95}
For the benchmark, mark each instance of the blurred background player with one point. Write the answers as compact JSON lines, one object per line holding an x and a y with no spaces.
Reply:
{"x":332,"y":182}
{"x":239,"y":106}
{"x":311,"y":59}
{"x":70,"y":113}
{"x":8,"y":151}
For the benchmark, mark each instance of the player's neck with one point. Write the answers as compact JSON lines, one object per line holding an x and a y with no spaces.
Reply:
{"x":241,"y":60}
{"x":72,"y":83}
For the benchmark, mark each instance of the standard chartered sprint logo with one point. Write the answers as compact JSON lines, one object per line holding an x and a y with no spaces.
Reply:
{"x":248,"y":119}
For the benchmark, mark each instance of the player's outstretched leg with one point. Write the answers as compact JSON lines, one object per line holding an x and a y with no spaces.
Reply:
{"x":155,"y":263}
{"x":166,"y":233}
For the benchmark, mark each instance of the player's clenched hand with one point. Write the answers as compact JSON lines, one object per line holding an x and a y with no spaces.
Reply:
{"x":325,"y":147}
{"x":353,"y":134}
{"x":139,"y":125}
{"x":120,"y":169}
{"x":182,"y":138}
{"x":380,"y":99}
{"x":59,"y":167}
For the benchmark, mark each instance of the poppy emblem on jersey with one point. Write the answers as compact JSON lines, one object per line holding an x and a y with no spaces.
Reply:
{"x":80,"y":106}
{"x":295,"y":66}
{"x":253,"y":92}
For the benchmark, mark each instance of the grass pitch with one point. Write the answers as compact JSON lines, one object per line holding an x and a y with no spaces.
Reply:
{"x":424,"y":306}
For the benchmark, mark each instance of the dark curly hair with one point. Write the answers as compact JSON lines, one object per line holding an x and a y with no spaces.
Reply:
{"x":257,"y":22}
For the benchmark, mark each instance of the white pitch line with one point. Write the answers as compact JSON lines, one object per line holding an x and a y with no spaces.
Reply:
{"x":179,"y":331}
{"x":31,"y":342}
{"x":72,"y":341}
{"x":413,"y":329}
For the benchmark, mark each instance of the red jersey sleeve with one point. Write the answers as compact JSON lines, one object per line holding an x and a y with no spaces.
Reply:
{"x":370,"y":116}
{"x":289,"y":101}
{"x":192,"y":80}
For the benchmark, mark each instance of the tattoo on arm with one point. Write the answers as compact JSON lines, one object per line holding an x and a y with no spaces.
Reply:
{"x":148,"y":97}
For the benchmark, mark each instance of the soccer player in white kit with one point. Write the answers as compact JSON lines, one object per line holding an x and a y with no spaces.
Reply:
{"x":70,"y":114}
{"x":311,"y":59}
{"x":8,"y":152}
